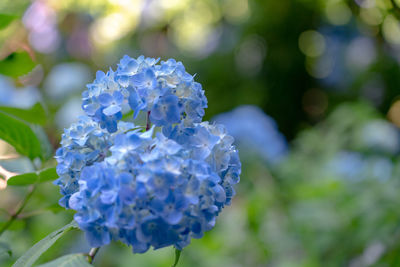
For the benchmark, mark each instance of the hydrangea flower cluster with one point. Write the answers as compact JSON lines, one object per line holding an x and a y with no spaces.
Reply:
{"x":156,"y":185}
{"x":166,"y":91}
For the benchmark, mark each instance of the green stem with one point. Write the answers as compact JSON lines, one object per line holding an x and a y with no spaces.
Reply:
{"x":177,"y":257}
{"x":396,"y":9}
{"x":92,"y":254}
{"x":31,"y":214}
{"x":15,"y":214}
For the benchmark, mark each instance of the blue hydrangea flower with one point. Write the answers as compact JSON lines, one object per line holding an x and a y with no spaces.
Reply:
{"x":82,"y":144}
{"x":152,"y":187}
{"x":165,"y":91}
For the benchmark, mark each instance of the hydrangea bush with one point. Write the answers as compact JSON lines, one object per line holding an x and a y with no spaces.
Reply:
{"x":152,"y":185}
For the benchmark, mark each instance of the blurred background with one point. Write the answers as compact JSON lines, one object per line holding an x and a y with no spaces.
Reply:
{"x":308,"y":88}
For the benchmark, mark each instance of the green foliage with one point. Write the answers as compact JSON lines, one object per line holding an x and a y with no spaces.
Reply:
{"x":46,"y":175}
{"x":6,"y":19}
{"x":23,"y":179}
{"x":15,"y":226}
{"x":72,"y":260}
{"x":33,"y":177}
{"x":45,"y":146}
{"x":30,"y":257}
{"x":17,"y":64}
{"x":329,"y":199}
{"x":55,"y":208}
{"x":5,"y":249}
{"x":36,"y":114}
{"x":20,"y":136}
{"x":32,"y":117}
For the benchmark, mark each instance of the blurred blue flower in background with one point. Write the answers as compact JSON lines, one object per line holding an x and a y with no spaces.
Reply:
{"x":381,"y":136}
{"x":12,"y":96}
{"x":254,"y":131}
{"x":375,"y":142}
{"x":338,"y":55}
{"x":346,"y":54}
{"x":69,"y":112}
{"x":347,"y":164}
{"x":66,"y":79}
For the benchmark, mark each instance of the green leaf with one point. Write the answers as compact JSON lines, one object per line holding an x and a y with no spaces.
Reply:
{"x":177,"y":257}
{"x":16,"y":64}
{"x":35,"y":114}
{"x":19,"y":135}
{"x":29,"y":178}
{"x":15,"y":226}
{"x":45,"y":146}
{"x":72,"y":260}
{"x":31,"y":256}
{"x":6,"y":19}
{"x":23,"y":179}
{"x":49,"y":174}
{"x":55,"y":208}
{"x":5,"y":249}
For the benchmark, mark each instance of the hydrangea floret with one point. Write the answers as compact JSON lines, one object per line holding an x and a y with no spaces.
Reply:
{"x":152,"y":185}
